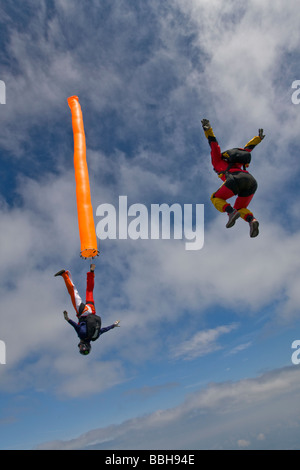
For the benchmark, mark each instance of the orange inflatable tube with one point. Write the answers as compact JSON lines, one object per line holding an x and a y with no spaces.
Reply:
{"x":86,"y":224}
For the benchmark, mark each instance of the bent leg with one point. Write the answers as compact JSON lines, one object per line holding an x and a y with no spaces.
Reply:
{"x":247,"y":186}
{"x":219,"y":198}
{"x":241,"y":204}
{"x":73,"y":292}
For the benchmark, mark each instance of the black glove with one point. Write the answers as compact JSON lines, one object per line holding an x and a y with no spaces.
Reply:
{"x":66,"y":315}
{"x":205,"y":124}
{"x":261,"y":133}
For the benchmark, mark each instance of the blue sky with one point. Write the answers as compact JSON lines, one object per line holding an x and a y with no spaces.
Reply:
{"x":202,"y":359}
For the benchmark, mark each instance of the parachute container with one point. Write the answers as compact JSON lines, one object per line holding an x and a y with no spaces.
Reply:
{"x":87,"y":232}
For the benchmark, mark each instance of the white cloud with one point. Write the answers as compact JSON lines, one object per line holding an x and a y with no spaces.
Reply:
{"x":243,"y":443}
{"x":221,"y":59}
{"x":240,"y":347}
{"x":201,"y":343}
{"x":155,"y":282}
{"x":210,"y":419}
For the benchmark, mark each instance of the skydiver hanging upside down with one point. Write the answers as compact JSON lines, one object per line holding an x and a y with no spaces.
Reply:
{"x":88,"y":327}
{"x":237,"y":181}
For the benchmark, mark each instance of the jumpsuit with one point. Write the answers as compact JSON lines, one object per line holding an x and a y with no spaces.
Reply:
{"x":237,"y":181}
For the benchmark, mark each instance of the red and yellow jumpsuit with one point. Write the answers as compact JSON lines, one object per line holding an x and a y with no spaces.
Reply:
{"x":237,"y":181}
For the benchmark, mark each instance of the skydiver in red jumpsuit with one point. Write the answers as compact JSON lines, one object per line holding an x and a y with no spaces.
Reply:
{"x":237,"y":181}
{"x":83,"y":310}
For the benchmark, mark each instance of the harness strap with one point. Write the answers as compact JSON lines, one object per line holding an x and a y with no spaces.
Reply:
{"x":230,"y":165}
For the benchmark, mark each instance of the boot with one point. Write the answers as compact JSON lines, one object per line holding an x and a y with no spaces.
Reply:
{"x":232,"y":217}
{"x":254,"y":228}
{"x":60,"y":272}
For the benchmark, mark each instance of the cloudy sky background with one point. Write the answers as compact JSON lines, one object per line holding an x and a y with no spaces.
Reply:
{"x":202,"y":359}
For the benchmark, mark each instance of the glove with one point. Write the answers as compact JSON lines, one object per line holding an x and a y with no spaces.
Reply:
{"x":261,"y":133}
{"x":205,"y":124}
{"x":66,"y":315}
{"x":117,"y":323}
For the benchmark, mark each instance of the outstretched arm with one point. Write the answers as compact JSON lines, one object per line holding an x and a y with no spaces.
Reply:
{"x":110,"y":327}
{"x":209,"y":133}
{"x":216,"y":155}
{"x":255,"y":141}
{"x":75,"y":325}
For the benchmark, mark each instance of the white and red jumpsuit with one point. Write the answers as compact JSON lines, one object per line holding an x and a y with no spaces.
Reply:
{"x":82,"y":309}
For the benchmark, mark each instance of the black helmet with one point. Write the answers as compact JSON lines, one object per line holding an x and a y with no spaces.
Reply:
{"x":84,"y":348}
